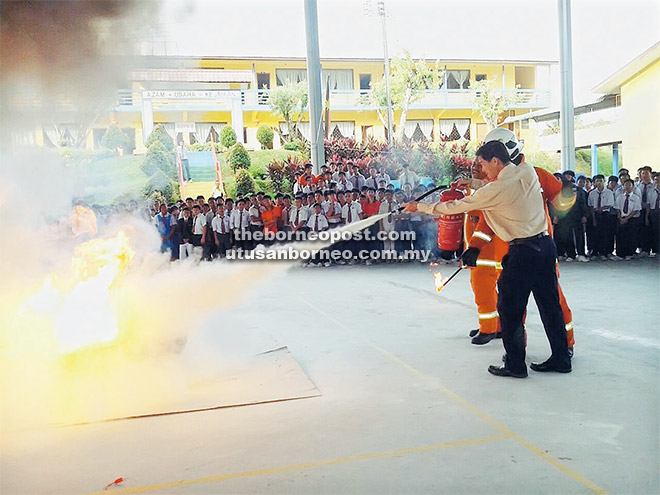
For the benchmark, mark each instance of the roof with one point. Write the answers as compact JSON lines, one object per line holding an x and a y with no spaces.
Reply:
{"x":612,"y":85}
{"x":192,"y":75}
{"x":608,"y":101}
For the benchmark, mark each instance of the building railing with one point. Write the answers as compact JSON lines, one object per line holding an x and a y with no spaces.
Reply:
{"x":345,"y":99}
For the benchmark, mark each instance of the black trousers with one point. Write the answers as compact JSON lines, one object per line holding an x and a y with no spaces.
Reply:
{"x":564,"y":239}
{"x":530,"y":268}
{"x":605,"y":229}
{"x":654,"y":217}
{"x":224,"y":243}
{"x":644,"y":234}
{"x":626,"y":237}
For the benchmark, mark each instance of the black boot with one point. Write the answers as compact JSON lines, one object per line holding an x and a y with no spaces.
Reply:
{"x":473,"y":332}
{"x":483,"y":338}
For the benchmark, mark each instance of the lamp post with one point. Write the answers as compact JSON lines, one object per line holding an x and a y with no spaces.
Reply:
{"x":381,"y":13}
{"x":314,"y":85}
{"x":567,"y":113}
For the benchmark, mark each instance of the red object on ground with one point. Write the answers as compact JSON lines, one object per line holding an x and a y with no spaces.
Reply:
{"x":114,"y":483}
{"x":450,"y":227}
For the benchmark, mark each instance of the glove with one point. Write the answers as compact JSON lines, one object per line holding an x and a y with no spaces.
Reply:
{"x":469,"y":257}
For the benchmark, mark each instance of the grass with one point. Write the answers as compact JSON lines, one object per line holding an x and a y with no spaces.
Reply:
{"x":114,"y":179}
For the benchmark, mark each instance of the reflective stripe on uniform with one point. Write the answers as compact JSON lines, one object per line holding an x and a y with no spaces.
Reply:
{"x":492,"y":263}
{"x":488,"y":316}
{"x":481,"y":235}
{"x":569,"y":326}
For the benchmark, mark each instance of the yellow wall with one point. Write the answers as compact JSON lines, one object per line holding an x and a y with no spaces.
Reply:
{"x":640,"y":106}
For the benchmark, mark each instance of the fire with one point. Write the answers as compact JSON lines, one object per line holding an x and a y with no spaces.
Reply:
{"x":440,"y":281}
{"x":82,"y":307}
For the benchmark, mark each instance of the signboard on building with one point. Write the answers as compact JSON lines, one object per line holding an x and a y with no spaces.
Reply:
{"x":190,"y":95}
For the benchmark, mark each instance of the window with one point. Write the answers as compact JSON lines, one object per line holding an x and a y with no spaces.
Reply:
{"x":263,"y":80}
{"x":458,"y":79}
{"x":455,"y":129}
{"x":480,"y":77}
{"x":524,"y":124}
{"x":338,"y":78}
{"x":290,"y":76}
{"x":419,"y":130}
{"x":365,"y":81}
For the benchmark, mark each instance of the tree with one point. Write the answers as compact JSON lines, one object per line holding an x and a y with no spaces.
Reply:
{"x":244,"y":183}
{"x":160,"y":134}
{"x":227,"y":136}
{"x":290,"y":103}
{"x":265,"y":136}
{"x":238,"y":157}
{"x":114,"y":138}
{"x":408,"y":80}
{"x":158,"y":158}
{"x":491,"y":102}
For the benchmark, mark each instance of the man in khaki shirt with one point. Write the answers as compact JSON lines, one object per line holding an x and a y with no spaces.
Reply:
{"x":513,"y":207}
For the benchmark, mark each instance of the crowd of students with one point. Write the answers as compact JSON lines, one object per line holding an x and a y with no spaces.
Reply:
{"x":609,"y":219}
{"x":207,"y":228}
{"x":614,"y":218}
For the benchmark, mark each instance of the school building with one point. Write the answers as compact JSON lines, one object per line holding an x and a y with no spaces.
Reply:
{"x":195,"y":97}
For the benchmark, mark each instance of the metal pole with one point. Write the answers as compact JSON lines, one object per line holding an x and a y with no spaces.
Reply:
{"x":390,"y":117}
{"x":615,"y":158}
{"x":567,"y":115}
{"x":594,"y":159}
{"x":314,"y":85}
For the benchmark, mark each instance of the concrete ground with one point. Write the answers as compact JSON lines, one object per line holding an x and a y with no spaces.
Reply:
{"x":407,"y":405}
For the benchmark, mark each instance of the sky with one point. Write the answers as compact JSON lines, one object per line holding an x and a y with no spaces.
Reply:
{"x":606,"y":33}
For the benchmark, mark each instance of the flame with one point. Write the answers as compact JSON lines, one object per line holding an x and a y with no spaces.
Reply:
{"x":440,"y":281}
{"x":83,"y":221}
{"x":82,"y":307}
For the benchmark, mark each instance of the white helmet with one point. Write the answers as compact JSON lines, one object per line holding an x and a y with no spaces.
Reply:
{"x":507,"y":138}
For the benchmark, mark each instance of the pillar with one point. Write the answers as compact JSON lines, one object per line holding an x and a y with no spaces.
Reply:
{"x":615,"y":159}
{"x":147,"y":118}
{"x":594,"y":159}
{"x":314,"y":85}
{"x":237,"y":118}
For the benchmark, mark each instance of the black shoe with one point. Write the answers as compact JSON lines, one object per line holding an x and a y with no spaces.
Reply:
{"x":473,"y":332}
{"x":482,"y":338}
{"x":549,"y":366}
{"x":570,"y":352}
{"x":504,"y":371}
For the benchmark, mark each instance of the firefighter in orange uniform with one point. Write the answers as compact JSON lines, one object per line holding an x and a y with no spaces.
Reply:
{"x":490,"y":249}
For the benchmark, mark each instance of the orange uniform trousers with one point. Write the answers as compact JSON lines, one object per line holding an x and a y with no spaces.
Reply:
{"x":483,"y":278}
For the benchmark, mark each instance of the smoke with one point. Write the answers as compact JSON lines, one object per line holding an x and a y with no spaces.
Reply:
{"x":66,"y":57}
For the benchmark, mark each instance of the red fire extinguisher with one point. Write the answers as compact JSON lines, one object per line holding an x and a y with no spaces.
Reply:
{"x":450,"y":227}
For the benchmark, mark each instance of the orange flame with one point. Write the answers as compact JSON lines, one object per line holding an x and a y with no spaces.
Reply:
{"x":440,"y":281}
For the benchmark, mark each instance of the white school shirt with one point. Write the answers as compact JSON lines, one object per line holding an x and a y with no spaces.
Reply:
{"x":198,"y":223}
{"x":345,"y":186}
{"x":640,"y":189}
{"x":302,"y":215}
{"x":356,"y":180}
{"x":356,"y":210}
{"x":635,"y":204}
{"x":217,"y":225}
{"x":409,"y":177}
{"x":255,"y":211}
{"x":239,"y":219}
{"x":386,"y":207}
{"x":336,"y":210}
{"x":654,"y":195}
{"x":606,"y":199}
{"x":323,"y":222}
{"x":371,"y":182}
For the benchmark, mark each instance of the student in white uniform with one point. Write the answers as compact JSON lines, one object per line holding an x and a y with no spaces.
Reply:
{"x":298,"y":215}
{"x":628,"y":207}
{"x":331,"y":209}
{"x":221,"y":225}
{"x":317,"y":223}
{"x":654,"y":216}
{"x":387,"y":224}
{"x":600,"y":202}
{"x":199,"y":227}
{"x":240,"y":224}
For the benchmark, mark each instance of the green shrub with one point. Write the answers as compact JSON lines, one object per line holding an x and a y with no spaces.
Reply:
{"x":160,"y":134}
{"x":238,"y":157}
{"x":265,"y":136}
{"x":161,"y":183}
{"x":114,"y":138}
{"x":244,"y":183}
{"x":295,"y":145}
{"x":227,"y":136}
{"x":158,"y":158}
